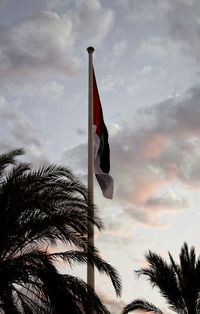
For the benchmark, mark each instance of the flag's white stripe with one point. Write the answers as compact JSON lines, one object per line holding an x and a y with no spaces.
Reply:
{"x":105,"y":180}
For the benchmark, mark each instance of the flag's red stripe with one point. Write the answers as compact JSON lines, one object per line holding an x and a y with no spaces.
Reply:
{"x":96,"y":107}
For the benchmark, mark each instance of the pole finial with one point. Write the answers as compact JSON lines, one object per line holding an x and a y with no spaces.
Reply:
{"x":90,"y":49}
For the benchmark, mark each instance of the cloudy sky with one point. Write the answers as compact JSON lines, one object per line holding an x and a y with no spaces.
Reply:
{"x":146,"y":60}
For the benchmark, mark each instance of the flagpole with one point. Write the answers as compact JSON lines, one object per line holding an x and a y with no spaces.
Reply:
{"x":90,"y":268}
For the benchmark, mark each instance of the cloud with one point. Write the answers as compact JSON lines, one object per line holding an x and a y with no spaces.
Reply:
{"x":119,"y":48}
{"x":114,"y":241}
{"x":38,"y":43}
{"x":56,"y":4}
{"x":165,"y":151}
{"x":183,"y":38}
{"x":81,"y":132}
{"x":45,"y":42}
{"x":20,"y":132}
{"x":21,"y":129}
{"x":113,"y":129}
{"x":168,"y":201}
{"x":157,"y":148}
{"x":92,"y":21}
{"x":160,"y":47}
{"x":76,"y":158}
{"x":111,"y":82}
{"x":50,"y":90}
{"x":152,"y":219}
{"x":148,"y":10}
{"x":184,"y":26}
{"x":146,"y":79}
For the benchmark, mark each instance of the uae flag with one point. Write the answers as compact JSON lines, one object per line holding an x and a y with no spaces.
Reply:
{"x":101,"y":146}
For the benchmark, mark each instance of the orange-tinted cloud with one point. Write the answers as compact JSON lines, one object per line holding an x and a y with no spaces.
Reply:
{"x":152,"y":147}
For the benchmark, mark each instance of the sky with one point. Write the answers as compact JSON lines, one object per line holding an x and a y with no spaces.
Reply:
{"x":146,"y":61}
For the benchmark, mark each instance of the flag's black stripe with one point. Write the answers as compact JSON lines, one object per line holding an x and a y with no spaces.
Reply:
{"x":105,"y":158}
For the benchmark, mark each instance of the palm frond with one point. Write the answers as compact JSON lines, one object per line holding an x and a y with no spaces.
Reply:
{"x":85,"y":295}
{"x":142,"y":306}
{"x":104,"y":267}
{"x":9,"y":158}
{"x":95,"y":260}
{"x":16,"y":172}
{"x":189,"y":277}
{"x":162,"y":275}
{"x":38,"y":207}
{"x":179,"y":283}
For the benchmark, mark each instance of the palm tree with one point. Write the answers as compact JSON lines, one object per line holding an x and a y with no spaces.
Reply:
{"x":179,"y":283}
{"x":37,"y":209}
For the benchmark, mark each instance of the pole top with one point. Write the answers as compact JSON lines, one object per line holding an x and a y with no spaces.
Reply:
{"x":90,"y":49}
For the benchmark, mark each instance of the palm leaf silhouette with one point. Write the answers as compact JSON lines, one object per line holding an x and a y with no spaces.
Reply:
{"x":38,"y":208}
{"x":179,"y":283}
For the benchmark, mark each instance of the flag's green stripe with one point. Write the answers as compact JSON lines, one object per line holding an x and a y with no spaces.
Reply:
{"x":101,"y":146}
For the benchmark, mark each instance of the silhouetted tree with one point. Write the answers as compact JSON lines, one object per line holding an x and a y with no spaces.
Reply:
{"x":38,"y":208}
{"x":179,"y":283}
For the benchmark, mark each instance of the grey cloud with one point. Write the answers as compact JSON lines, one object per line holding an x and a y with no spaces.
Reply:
{"x":39,"y":43}
{"x":157,"y":148}
{"x":184,"y":26}
{"x":76,"y":158}
{"x":146,"y":81}
{"x":34,"y":157}
{"x":81,"y":131}
{"x":165,"y":150}
{"x":92,"y":20}
{"x":115,"y":223}
{"x":44,"y":43}
{"x":183,"y":37}
{"x":119,"y":48}
{"x":169,"y":137}
{"x":24,"y":132}
{"x":20,"y":133}
{"x":182,"y":114}
{"x":160,"y":48}
{"x":5,"y":146}
{"x":167,"y":202}
{"x":111,"y":82}
{"x":148,"y":10}
{"x":56,"y":4}
{"x":19,"y":127}
{"x":151,"y":219}
{"x":113,"y":240}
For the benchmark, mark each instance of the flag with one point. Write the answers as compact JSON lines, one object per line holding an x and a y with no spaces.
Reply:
{"x":101,"y":146}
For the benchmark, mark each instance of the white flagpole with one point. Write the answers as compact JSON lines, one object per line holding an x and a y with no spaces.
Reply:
{"x":90,"y":268}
